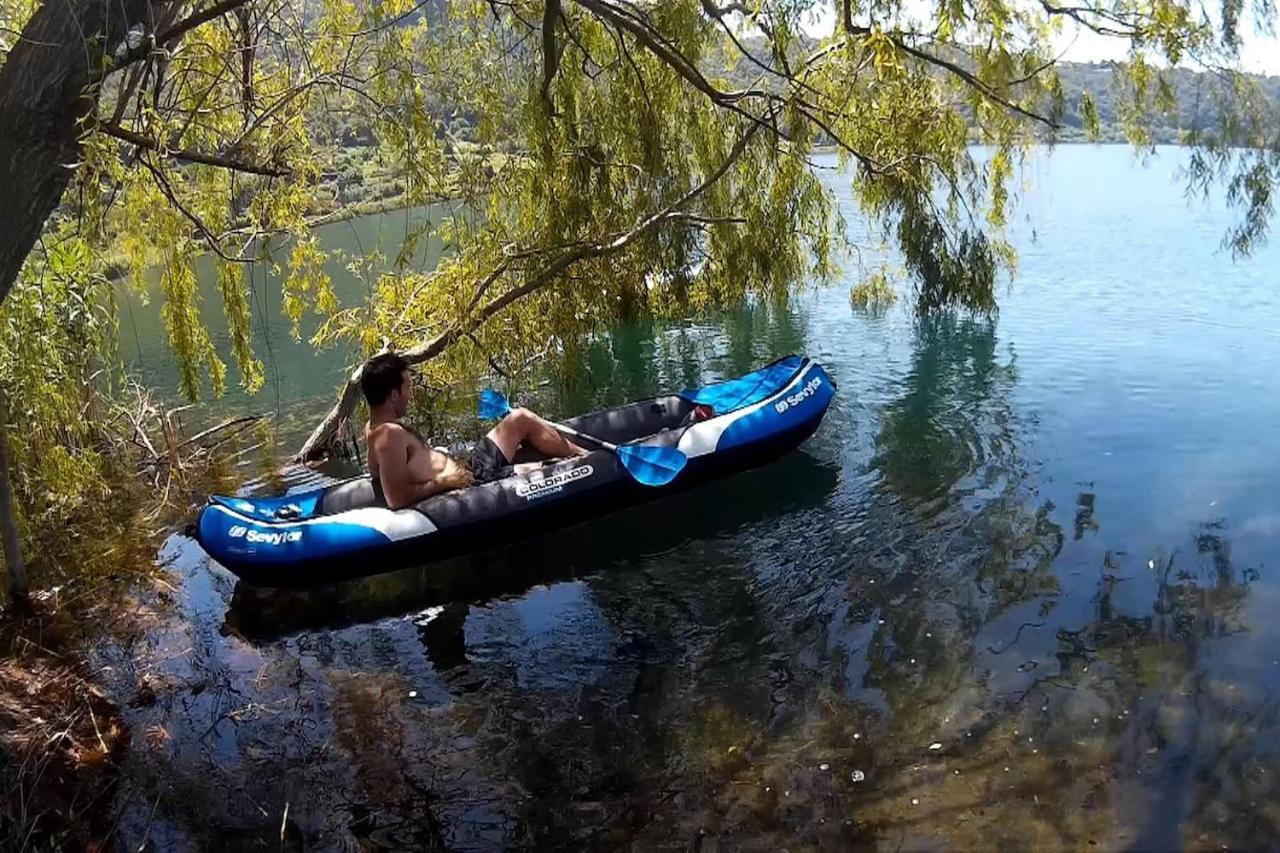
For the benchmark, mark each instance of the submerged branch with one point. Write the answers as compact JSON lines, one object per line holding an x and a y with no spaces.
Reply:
{"x":235,"y":424}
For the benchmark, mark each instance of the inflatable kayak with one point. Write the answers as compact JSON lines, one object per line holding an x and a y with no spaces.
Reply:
{"x":345,"y":531}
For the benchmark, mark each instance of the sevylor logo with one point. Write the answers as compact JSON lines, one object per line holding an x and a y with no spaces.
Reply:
{"x":552,"y":484}
{"x":239,"y":531}
{"x":800,"y":396}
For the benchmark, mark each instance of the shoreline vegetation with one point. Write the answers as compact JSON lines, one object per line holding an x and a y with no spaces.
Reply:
{"x":62,"y":733}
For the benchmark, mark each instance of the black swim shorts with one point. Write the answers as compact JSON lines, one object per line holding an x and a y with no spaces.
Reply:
{"x":487,"y":462}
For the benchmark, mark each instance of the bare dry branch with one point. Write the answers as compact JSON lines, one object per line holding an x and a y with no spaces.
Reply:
{"x":225,"y":161}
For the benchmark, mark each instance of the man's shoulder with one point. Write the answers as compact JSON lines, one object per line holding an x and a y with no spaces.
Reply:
{"x":388,"y":432}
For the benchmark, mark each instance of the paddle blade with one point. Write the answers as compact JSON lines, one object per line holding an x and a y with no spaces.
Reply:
{"x":493,"y":405}
{"x":652,"y":466}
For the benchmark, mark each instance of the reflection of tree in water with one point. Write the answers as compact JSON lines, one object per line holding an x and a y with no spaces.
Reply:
{"x":718,"y":713}
{"x":1192,"y":750}
{"x":1116,"y":709}
{"x":692,"y":660}
{"x":975,"y":696}
{"x":647,"y":357}
{"x":1084,"y":515}
{"x":1031,"y":734}
{"x":968,"y":539}
{"x":1121,"y":733}
{"x":953,"y":410}
{"x":558,"y":763}
{"x":955,"y":539}
{"x":601,"y":754}
{"x":671,"y":657}
{"x":1116,"y":733}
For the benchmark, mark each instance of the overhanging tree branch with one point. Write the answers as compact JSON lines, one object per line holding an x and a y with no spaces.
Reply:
{"x":144,"y":47}
{"x":186,"y":25}
{"x":1089,"y":17}
{"x":972,"y":80}
{"x":214,"y":243}
{"x":321,"y":439}
{"x":187,"y":155}
{"x":679,"y":63}
{"x":625,"y":19}
{"x":968,"y":77}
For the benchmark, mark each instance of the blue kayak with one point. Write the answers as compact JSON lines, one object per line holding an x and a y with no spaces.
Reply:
{"x":345,"y":530}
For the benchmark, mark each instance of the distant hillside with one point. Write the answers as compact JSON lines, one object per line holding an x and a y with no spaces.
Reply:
{"x":1193,"y":90}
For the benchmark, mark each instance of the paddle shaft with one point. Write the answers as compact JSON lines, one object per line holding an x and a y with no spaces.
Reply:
{"x":573,"y":432}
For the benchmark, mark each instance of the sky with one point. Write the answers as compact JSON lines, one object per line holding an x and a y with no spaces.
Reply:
{"x":1258,"y":54}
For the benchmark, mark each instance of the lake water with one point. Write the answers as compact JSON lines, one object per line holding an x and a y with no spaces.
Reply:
{"x":1019,"y":589}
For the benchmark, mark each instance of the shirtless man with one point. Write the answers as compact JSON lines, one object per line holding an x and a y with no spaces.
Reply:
{"x":409,"y":470}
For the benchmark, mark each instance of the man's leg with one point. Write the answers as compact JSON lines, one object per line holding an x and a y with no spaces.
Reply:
{"x":524,"y":427}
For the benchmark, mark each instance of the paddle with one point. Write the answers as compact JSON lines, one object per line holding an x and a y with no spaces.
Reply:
{"x":649,"y":466}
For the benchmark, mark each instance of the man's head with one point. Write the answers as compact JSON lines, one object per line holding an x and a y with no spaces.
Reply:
{"x":385,"y":381}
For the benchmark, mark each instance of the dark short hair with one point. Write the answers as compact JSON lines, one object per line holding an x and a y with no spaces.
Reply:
{"x":381,"y":375}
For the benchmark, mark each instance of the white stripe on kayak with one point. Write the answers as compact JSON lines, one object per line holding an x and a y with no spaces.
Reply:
{"x":702,"y":438}
{"x":395,"y":524}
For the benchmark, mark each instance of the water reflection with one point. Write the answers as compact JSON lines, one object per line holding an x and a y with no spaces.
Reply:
{"x":953,"y":412}
{"x":914,"y":647}
{"x":1022,"y":704}
{"x":638,"y":357}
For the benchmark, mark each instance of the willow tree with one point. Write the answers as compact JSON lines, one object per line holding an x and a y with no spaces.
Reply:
{"x":654,"y":139}
{"x":612,"y":165}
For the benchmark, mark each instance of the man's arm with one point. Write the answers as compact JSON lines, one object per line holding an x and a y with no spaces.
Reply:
{"x":399,"y":486}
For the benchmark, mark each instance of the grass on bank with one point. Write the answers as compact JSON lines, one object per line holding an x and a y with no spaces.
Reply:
{"x":60,"y":735}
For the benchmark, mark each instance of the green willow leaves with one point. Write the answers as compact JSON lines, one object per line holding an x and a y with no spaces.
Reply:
{"x":605,"y":159}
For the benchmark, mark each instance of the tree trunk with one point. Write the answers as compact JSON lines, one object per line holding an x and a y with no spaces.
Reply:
{"x":18,"y":589}
{"x":47,"y":88}
{"x":323,"y":439}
